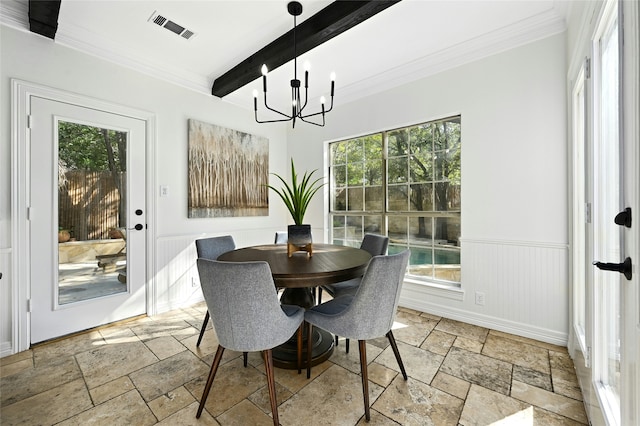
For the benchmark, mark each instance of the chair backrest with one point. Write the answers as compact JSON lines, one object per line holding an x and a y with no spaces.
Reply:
{"x":281,"y":238}
{"x":375,"y":303}
{"x":375,"y":244}
{"x":211,"y":248}
{"x":244,"y":306}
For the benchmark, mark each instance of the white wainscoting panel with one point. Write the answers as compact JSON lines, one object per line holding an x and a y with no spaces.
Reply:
{"x":6,"y":304}
{"x":176,"y":280}
{"x":525,"y":286}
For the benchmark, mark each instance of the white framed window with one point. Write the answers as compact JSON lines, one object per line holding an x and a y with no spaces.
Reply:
{"x":403,"y":183}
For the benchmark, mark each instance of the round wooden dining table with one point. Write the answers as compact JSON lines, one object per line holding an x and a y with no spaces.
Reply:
{"x":298,"y":275}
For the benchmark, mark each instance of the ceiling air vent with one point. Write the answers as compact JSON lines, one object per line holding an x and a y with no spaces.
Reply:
{"x":164,"y":22}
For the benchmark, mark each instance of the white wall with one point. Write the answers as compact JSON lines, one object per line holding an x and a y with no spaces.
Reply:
{"x":514,"y":179}
{"x":514,"y":205}
{"x":36,"y":59}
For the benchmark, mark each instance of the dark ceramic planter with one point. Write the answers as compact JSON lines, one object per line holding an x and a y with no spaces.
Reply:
{"x":299,"y":234}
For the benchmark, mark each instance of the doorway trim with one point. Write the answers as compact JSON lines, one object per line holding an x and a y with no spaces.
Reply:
{"x":21,"y":93}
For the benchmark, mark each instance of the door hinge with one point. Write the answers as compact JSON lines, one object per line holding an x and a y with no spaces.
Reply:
{"x":29,"y":121}
{"x":587,"y":212}
{"x":28,"y":305}
{"x":587,"y":357}
{"x":587,"y":68}
{"x":28,"y":213}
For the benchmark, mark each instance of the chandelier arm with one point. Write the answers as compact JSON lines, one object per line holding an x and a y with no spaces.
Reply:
{"x":275,"y":110}
{"x":311,"y":122}
{"x":313,"y":114}
{"x":331,"y":106}
{"x":271,"y":121}
{"x":306,"y":99}
{"x":319,"y":112}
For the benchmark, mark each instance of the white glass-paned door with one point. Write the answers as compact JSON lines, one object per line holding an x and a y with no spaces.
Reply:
{"x":607,"y":235}
{"x":87,"y":178}
{"x":579,"y":211}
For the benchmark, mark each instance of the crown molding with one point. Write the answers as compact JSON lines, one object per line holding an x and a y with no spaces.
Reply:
{"x":526,"y":31}
{"x":506,"y":38}
{"x":15,"y":14}
{"x":84,"y":40}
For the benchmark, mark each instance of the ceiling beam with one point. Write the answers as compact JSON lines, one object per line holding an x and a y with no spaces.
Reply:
{"x":334,"y":19}
{"x":43,"y":17}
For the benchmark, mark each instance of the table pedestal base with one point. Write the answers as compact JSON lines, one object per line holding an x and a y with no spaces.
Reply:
{"x":286,"y":355}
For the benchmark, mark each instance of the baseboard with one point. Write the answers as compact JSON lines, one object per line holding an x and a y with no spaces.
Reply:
{"x":493,"y":323}
{"x":6,"y":349}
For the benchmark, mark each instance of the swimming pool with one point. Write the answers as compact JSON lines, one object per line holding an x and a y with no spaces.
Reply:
{"x":425,"y":255}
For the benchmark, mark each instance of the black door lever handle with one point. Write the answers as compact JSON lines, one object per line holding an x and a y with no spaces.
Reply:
{"x":623,"y":268}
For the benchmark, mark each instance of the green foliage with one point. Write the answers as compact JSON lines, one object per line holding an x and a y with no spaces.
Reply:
{"x":83,"y":147}
{"x":298,"y":195}
{"x":428,"y":158}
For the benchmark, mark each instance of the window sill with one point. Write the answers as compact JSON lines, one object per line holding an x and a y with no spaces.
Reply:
{"x":435,"y":289}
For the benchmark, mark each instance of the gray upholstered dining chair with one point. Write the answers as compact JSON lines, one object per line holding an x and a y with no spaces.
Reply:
{"x":375,"y":245}
{"x":247,"y":316}
{"x":367,"y":314}
{"x":211,"y":248}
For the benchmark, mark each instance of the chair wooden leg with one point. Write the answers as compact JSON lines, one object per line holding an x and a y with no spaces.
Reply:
{"x":365,"y":377}
{"x":212,"y":374}
{"x":394,"y":346}
{"x":299,"y":347}
{"x":204,"y":325}
{"x":347,"y":344}
{"x":309,"y":348}
{"x":271,"y":384}
{"x":245,"y":359}
{"x":319,"y":295}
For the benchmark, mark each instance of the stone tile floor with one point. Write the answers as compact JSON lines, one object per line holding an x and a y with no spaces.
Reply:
{"x":148,"y":371}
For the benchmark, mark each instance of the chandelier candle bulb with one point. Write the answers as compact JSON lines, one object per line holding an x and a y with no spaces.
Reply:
{"x":264,"y":78}
{"x":307,"y":67}
{"x":333,"y":82}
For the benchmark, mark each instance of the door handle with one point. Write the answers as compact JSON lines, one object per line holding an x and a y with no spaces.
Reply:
{"x":138,"y":227}
{"x":624,"y":218}
{"x":623,"y":268}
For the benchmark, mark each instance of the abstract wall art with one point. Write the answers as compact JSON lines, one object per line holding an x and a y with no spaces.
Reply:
{"x":228,"y":171}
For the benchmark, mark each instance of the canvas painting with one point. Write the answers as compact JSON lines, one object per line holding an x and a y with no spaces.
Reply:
{"x":228,"y":171}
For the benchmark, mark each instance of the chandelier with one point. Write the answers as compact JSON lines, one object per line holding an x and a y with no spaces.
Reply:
{"x":298,"y":104}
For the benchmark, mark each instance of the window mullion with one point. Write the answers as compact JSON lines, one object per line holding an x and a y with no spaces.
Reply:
{"x":385,"y":189}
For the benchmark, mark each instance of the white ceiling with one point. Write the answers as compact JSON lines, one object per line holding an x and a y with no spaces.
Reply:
{"x":407,"y":41}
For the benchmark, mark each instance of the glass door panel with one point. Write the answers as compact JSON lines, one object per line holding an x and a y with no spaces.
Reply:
{"x":607,"y":235}
{"x":92,"y":244}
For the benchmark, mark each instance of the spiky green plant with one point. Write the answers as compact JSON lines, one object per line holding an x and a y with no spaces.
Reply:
{"x":298,"y":195}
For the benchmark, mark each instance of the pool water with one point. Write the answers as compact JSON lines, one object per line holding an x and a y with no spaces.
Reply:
{"x":424,"y":256}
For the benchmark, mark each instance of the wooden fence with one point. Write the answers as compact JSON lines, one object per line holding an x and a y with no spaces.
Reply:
{"x":89,"y":204}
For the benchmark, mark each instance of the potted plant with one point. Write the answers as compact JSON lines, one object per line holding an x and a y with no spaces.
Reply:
{"x":297,"y":197}
{"x":64,"y":235}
